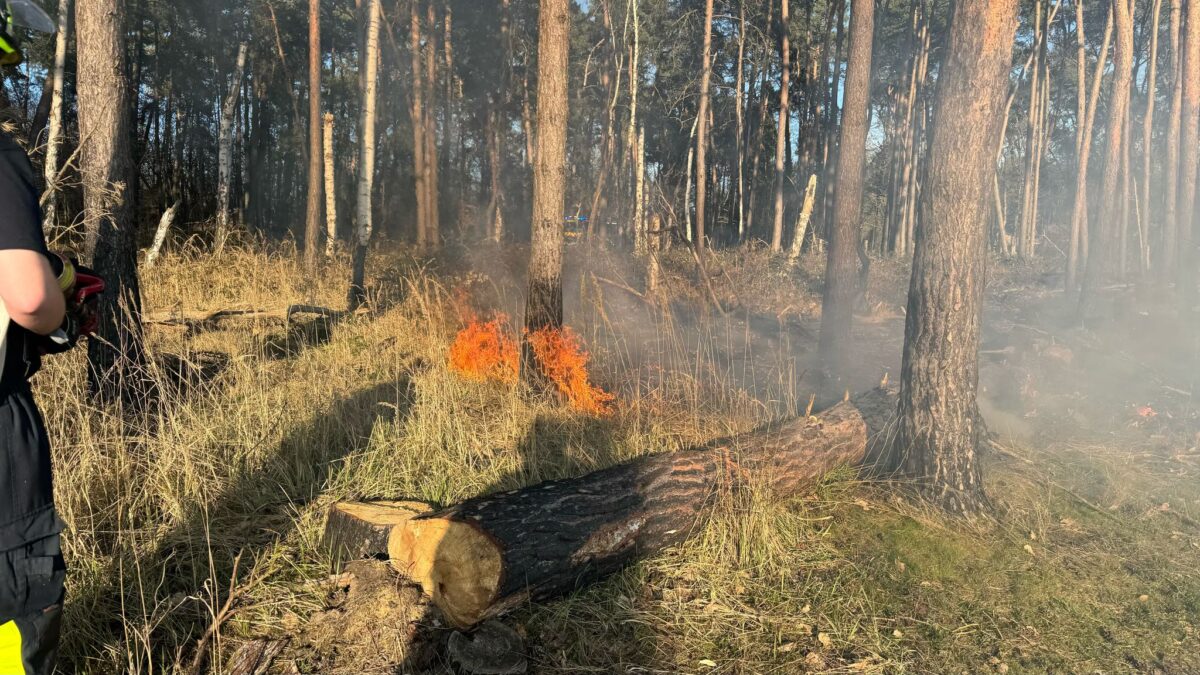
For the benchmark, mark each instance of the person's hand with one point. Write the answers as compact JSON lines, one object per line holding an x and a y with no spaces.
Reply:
{"x":82,"y":288}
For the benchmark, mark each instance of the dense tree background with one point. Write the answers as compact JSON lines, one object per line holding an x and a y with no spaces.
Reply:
{"x":481,"y":100}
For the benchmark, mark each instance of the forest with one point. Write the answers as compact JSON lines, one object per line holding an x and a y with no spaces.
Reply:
{"x":619,"y":336}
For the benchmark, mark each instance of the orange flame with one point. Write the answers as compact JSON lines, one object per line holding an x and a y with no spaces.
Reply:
{"x":483,"y":351}
{"x":564,"y":363}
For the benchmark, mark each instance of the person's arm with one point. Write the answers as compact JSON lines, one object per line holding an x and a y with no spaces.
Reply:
{"x":30,"y":291}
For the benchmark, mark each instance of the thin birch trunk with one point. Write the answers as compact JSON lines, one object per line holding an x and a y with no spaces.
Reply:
{"x":802,"y":221}
{"x":160,"y":235}
{"x":687,"y":187}
{"x":225,"y":150}
{"x":639,"y":195}
{"x":331,"y":222}
{"x":55,"y":130}
{"x":366,"y":162}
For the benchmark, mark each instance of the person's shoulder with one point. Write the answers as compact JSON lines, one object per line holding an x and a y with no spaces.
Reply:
{"x":8,"y":143}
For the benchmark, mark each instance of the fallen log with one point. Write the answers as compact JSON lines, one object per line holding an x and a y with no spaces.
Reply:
{"x":489,"y":554}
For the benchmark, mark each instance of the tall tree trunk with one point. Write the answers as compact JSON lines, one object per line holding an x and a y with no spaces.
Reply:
{"x":544,"y":301}
{"x":117,"y":358}
{"x":781,"y":134}
{"x":1146,"y":211}
{"x":1078,"y":247}
{"x":1170,"y":243}
{"x":1190,"y":142}
{"x":631,"y":134}
{"x":366,"y":162}
{"x":1104,"y":234}
{"x":841,"y":272}
{"x":312,"y":221}
{"x":420,"y":161}
{"x":687,"y":183}
{"x":639,"y":193}
{"x":331,"y":216}
{"x":495,"y":144}
{"x":939,"y":427}
{"x":702,"y":130}
{"x":225,"y":150}
{"x":433,"y":236}
{"x":55,"y":131}
{"x":740,"y":113}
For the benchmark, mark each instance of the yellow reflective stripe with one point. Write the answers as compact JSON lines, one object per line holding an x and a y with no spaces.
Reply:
{"x":5,"y":47}
{"x":11,"y":662}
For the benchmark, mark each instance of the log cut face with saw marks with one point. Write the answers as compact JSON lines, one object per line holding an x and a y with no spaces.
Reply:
{"x":489,"y":554}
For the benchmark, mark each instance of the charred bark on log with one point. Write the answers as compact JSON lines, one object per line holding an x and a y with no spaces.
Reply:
{"x":487,"y":555}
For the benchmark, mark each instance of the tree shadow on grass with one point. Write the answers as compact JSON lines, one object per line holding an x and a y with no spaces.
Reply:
{"x":150,"y":602}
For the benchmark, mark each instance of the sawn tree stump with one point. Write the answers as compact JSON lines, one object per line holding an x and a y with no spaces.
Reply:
{"x":492,"y":553}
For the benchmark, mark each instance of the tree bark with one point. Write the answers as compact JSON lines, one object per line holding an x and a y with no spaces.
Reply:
{"x":939,"y":423}
{"x":420,"y":161}
{"x":433,"y":208}
{"x":331,"y":216}
{"x":702,"y":130}
{"x":781,"y":130}
{"x":225,"y":150}
{"x":841,"y":271}
{"x":740,"y":116}
{"x":55,"y":130}
{"x":1078,"y":247}
{"x":366,"y":162}
{"x":1190,"y":143}
{"x":1104,"y":234}
{"x":491,"y":554}
{"x":312,"y":221}
{"x":803,"y":220}
{"x":1146,"y":210}
{"x":160,"y":234}
{"x":117,"y":357}
{"x":639,"y":193}
{"x":544,"y":301}
{"x":495,"y":144}
{"x":1170,"y":243}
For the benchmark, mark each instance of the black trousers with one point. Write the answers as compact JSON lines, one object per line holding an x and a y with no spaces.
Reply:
{"x":31,"y":563}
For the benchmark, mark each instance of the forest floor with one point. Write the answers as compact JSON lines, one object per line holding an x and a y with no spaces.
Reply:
{"x":196,"y":529}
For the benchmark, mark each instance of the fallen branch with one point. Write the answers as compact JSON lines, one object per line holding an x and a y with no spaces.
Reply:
{"x":197,"y":320}
{"x":490,"y":554}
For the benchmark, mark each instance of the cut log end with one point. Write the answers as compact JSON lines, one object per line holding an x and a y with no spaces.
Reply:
{"x":358,"y":530}
{"x":455,"y":562}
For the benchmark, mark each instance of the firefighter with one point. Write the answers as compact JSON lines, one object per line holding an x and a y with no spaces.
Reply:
{"x":40,"y":313}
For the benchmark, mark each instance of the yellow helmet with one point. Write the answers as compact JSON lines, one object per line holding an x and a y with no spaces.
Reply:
{"x":15,"y":14}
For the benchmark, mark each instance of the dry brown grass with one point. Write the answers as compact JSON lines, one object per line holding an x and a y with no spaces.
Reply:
{"x":846,"y":579}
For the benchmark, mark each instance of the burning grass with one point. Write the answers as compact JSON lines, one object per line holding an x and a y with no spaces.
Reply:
{"x":565,"y":363}
{"x":485,"y":351}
